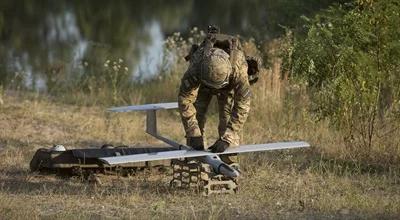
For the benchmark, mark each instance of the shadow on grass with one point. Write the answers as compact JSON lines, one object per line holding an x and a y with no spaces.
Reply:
{"x":312,"y":160}
{"x":21,"y":181}
{"x":4,"y":143}
{"x":18,"y":180}
{"x":322,"y":163}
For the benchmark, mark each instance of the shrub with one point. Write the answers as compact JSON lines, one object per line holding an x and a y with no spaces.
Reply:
{"x":349,"y":60}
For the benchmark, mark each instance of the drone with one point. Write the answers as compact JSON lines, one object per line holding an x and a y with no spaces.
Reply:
{"x":202,"y":170}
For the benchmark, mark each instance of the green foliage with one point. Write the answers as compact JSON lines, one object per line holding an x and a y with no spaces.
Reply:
{"x":350,"y":62}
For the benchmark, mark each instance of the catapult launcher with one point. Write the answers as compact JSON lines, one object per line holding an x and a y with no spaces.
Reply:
{"x":202,"y":170}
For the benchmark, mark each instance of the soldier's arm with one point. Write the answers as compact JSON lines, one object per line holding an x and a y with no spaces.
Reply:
{"x":186,"y":98}
{"x":240,"y":111}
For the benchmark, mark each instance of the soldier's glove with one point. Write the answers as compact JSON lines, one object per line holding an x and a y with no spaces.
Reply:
{"x":219,"y":146}
{"x":196,"y":143}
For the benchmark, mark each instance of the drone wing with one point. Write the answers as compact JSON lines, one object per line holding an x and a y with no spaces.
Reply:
{"x":182,"y":150}
{"x":147,"y":107}
{"x":266,"y":147}
{"x":192,"y":153}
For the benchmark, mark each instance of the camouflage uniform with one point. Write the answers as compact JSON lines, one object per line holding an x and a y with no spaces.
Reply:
{"x":233,"y":99}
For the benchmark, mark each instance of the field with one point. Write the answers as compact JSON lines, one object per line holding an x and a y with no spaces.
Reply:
{"x":303,"y":184}
{"x":330,"y":76}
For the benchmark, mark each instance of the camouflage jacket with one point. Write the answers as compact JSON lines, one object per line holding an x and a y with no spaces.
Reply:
{"x":238,"y":83}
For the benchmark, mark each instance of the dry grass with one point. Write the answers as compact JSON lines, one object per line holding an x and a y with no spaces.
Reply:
{"x":317,"y":183}
{"x":323,"y":182}
{"x":305,"y":184}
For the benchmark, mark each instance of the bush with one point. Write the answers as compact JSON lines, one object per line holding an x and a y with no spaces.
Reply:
{"x":350,"y":62}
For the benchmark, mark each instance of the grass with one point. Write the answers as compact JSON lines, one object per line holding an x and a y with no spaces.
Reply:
{"x":327,"y":181}
{"x":305,"y":184}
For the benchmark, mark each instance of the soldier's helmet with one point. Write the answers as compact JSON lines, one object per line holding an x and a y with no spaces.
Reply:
{"x":215,"y":68}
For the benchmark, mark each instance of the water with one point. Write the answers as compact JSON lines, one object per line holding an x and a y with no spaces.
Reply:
{"x":44,"y":41}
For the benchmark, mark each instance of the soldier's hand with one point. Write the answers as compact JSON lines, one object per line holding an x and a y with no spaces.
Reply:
{"x":196,"y":143}
{"x":219,"y":146}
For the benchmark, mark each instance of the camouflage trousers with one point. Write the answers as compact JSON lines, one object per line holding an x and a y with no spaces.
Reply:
{"x":225,"y":103}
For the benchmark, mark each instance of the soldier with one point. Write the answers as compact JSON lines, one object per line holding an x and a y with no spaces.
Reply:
{"x":217,"y":67}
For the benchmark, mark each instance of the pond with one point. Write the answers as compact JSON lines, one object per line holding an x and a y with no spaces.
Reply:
{"x":39,"y":38}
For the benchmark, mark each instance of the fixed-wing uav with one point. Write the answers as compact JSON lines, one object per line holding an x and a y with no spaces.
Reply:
{"x":190,"y":167}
